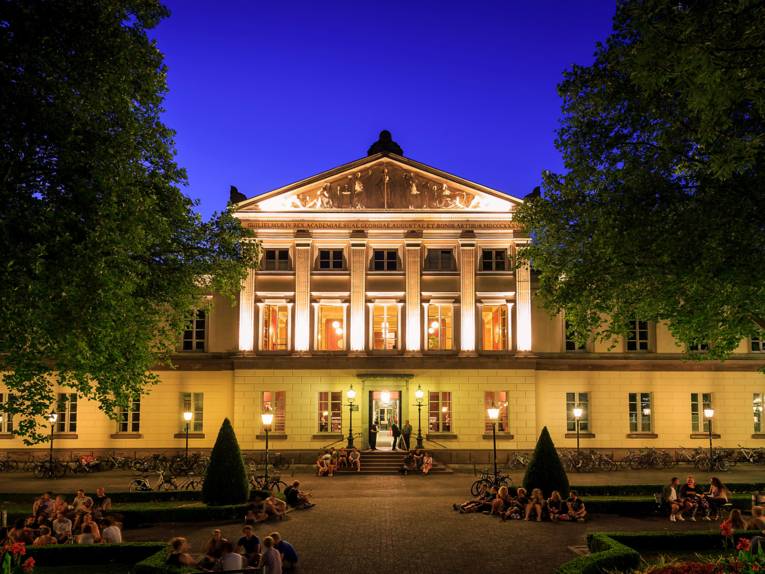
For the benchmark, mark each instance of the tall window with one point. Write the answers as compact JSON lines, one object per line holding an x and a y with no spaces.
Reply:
{"x":331,"y":259}
{"x":757,"y":404}
{"x":6,"y":420}
{"x":757,"y":344}
{"x":494,"y":327}
{"x":494,"y":260}
{"x":276,"y":260}
{"x":640,"y":412}
{"x":330,"y":328}
{"x":384,"y":326}
{"x":440,"y":411}
{"x":129,"y":419}
{"x":571,"y":344}
{"x":581,"y":400}
{"x":194,"y":335}
{"x":385,"y":260}
{"x":331,"y":412}
{"x":276,"y":320}
{"x":440,"y":260}
{"x":699,"y":423}
{"x":276,"y":403}
{"x":497,"y":399}
{"x":440,"y":327}
{"x":66,"y":407}
{"x":194,"y":403}
{"x":637,"y":336}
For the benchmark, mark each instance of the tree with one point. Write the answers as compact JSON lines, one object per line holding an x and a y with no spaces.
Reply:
{"x":545,"y":471}
{"x":660,"y":214}
{"x":103,"y":258}
{"x":226,"y":478}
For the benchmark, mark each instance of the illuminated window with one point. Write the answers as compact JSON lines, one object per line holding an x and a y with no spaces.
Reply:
{"x":637,"y":336}
{"x":440,"y":327}
{"x":6,"y":420}
{"x":276,"y":320}
{"x":275,"y":402}
{"x":193,"y":403}
{"x":66,"y":407}
{"x":440,"y":412}
{"x":497,"y":399}
{"x":194,"y":335}
{"x":581,"y":400}
{"x":640,"y":412}
{"x":494,"y":327}
{"x":757,"y":344}
{"x":331,"y":260}
{"x":129,"y":419}
{"x":385,"y":260}
{"x":571,"y":344}
{"x":757,"y":403}
{"x":494,"y":260}
{"x":384,"y":326}
{"x":331,"y":412}
{"x":330,"y":328}
{"x":700,"y":423}
{"x":276,"y":260}
{"x":440,"y":260}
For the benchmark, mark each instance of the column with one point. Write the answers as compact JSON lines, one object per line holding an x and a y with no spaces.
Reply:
{"x":247,"y":313}
{"x":358,"y":290}
{"x":523,"y":308}
{"x":302,"y":292}
{"x":467,"y":292}
{"x":413,"y":271}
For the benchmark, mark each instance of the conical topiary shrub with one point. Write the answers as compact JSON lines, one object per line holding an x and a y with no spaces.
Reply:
{"x":545,"y":470}
{"x":226,"y":479}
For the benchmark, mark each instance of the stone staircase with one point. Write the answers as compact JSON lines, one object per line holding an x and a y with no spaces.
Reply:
{"x":387,"y":462}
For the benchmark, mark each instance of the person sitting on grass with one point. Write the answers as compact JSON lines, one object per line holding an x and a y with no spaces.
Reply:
{"x":535,"y":503}
{"x":354,"y":459}
{"x":87,"y":520}
{"x":671,"y":498}
{"x":287,"y":551}
{"x":756,"y":522}
{"x":87,"y":535}
{"x":179,"y":554}
{"x":213,"y":550}
{"x":249,"y":546}
{"x":111,"y":533}
{"x":576,"y":508}
{"x":45,"y":537}
{"x":276,"y":507}
{"x":481,"y":504}
{"x":427,"y":463}
{"x":717,"y":496}
{"x":502,"y":502}
{"x":556,"y":506}
{"x":270,"y":560}
{"x":297,"y":499}
{"x":734,"y":521}
{"x":229,"y":560}
{"x":62,"y":528}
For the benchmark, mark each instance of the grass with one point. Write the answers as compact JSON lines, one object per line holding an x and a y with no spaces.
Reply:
{"x":85,"y":569}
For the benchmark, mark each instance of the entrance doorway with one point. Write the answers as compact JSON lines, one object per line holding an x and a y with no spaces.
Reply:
{"x":384,"y":409}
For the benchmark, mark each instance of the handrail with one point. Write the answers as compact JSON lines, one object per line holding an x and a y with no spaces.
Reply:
{"x":429,"y":440}
{"x":325,"y":447}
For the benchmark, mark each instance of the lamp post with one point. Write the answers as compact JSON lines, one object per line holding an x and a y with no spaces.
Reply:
{"x":709,"y":413}
{"x":493,"y":412}
{"x":578,"y":412}
{"x":419,"y":394}
{"x":351,"y":394}
{"x":267,"y":419}
{"x":187,"y":416}
{"x":52,"y":418}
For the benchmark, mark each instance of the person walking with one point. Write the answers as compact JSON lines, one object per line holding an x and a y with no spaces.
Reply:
{"x":373,"y":436}
{"x":406,"y":432}
{"x":396,"y":432}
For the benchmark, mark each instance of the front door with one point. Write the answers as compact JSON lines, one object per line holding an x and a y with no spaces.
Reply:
{"x":384,"y":410}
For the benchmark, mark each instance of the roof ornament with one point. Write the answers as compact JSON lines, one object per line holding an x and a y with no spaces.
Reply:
{"x":385,"y":144}
{"x":235,"y":196}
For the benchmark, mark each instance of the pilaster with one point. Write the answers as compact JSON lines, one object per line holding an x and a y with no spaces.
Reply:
{"x":523,"y":308}
{"x":358,"y":290}
{"x":413,"y":270}
{"x":247,"y":313}
{"x":302,"y":291}
{"x":467,"y":292}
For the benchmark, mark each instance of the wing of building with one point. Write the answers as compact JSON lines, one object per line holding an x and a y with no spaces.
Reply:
{"x":391,"y":277}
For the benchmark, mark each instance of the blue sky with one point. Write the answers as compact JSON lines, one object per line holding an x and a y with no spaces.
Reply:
{"x":266,"y":93}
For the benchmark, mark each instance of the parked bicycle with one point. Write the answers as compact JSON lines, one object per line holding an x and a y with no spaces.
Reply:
{"x":274,"y":482}
{"x":143,"y":483}
{"x":750,"y":455}
{"x":48,"y":469}
{"x":649,"y":458}
{"x":487,"y":480}
{"x":720,"y":462}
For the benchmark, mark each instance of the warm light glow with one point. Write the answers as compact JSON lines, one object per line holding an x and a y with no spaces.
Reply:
{"x":434,"y":325}
{"x":646,"y":411}
{"x":493,"y":412}
{"x":339,"y":331}
{"x":419,"y":394}
{"x":709,"y":413}
{"x":444,"y":409}
{"x":385,"y":397}
{"x":325,"y":413}
{"x":578,"y":412}
{"x":351,"y":394}
{"x":53,"y":417}
{"x":431,"y":331}
{"x":267,"y":419}
{"x":187,"y":416}
{"x":523,"y":308}
{"x":335,"y":324}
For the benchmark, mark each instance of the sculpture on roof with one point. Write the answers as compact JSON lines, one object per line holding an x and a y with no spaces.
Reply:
{"x":235,"y":196}
{"x":385,"y":144}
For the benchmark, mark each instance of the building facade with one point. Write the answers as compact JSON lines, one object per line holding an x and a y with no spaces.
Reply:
{"x":388,"y":276}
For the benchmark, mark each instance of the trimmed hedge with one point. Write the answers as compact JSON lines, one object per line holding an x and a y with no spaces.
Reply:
{"x":155,"y":564}
{"x":608,"y":555}
{"x":78,"y":554}
{"x":545,"y":470}
{"x":226,"y":479}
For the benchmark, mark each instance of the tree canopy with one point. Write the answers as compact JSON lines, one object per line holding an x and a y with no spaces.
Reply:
{"x":660,"y":213}
{"x":103,"y":257}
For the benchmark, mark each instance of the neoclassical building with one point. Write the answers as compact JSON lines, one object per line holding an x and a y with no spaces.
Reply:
{"x":389,"y":276}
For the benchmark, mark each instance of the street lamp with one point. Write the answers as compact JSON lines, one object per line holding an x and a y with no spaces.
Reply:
{"x":419,"y":394}
{"x":267,"y":419}
{"x":578,"y":412}
{"x":52,"y":418}
{"x":351,"y":394}
{"x":493,"y":412}
{"x":709,"y":413}
{"x":187,"y":416}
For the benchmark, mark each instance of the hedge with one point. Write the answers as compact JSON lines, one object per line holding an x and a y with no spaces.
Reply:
{"x":608,"y":555}
{"x":649,"y":489}
{"x":151,"y":496}
{"x":76,"y":554}
{"x":155,"y":564}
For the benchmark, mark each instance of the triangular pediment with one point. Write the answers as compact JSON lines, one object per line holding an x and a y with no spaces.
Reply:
{"x":382,"y":182}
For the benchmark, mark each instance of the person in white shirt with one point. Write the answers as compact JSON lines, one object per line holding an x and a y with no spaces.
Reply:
{"x":111,"y":534}
{"x":230,"y":560}
{"x":270,"y":560}
{"x":671,"y":499}
{"x":62,"y":528}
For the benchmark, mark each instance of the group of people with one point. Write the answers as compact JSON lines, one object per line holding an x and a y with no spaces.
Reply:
{"x":417,"y":461}
{"x":401,"y":435}
{"x":690,"y":499}
{"x":332,"y":459}
{"x":56,"y":521}
{"x":517,"y":504}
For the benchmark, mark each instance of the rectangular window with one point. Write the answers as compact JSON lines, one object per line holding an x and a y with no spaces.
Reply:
{"x":331,"y":412}
{"x":440,"y":260}
{"x":385,"y":260}
{"x":330,"y":328}
{"x":6,"y":420}
{"x":331,"y":260}
{"x":698,"y":347}
{"x":440,"y":412}
{"x":757,"y":405}
{"x":276,"y":320}
{"x":640,"y":412}
{"x":757,"y":344}
{"x":581,"y":400}
{"x":497,"y":399}
{"x":129,"y":419}
{"x":66,"y":407}
{"x":276,"y":260}
{"x":494,"y":327}
{"x":276,"y":403}
{"x":637,"y":336}
{"x":193,"y":403}
{"x":494,"y":260}
{"x":194,"y":335}
{"x":385,"y":327}
{"x":699,"y":423}
{"x":440,"y":327}
{"x":571,"y":344}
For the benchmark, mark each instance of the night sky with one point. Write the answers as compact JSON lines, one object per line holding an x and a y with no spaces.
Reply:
{"x":266,"y":93}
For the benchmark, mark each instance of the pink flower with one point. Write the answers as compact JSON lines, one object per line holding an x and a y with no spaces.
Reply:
{"x":19,"y":548}
{"x":743,"y":544}
{"x":726,"y":529}
{"x":28,"y":565}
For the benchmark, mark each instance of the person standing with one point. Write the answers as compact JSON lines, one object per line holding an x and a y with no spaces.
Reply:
{"x":373,"y":436}
{"x":396,"y":432}
{"x":406,"y":432}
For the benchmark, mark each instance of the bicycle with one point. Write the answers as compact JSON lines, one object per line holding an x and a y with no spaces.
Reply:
{"x":48,"y":469}
{"x":258,"y":482}
{"x":191,"y":483}
{"x":142,"y":483}
{"x":487,"y":480}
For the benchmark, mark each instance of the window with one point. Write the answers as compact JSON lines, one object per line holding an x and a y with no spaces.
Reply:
{"x":698,"y":347}
{"x":757,"y":400}
{"x":6,"y":420}
{"x":275,"y":402}
{"x":385,"y":326}
{"x":194,"y":335}
{"x":194,"y":403}
{"x":440,"y":327}
{"x":757,"y":344}
{"x":700,"y":423}
{"x":494,"y":327}
{"x":276,"y":320}
{"x":330,"y":328}
{"x":331,"y":412}
{"x":571,"y":344}
{"x":497,"y":399}
{"x":494,"y":260}
{"x":440,"y":260}
{"x":384,"y":260}
{"x":331,"y":259}
{"x":581,"y":400}
{"x":440,"y":412}
{"x":640,"y":412}
{"x":637,"y":336}
{"x":276,"y":260}
{"x":66,"y":407}
{"x":129,"y":419}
